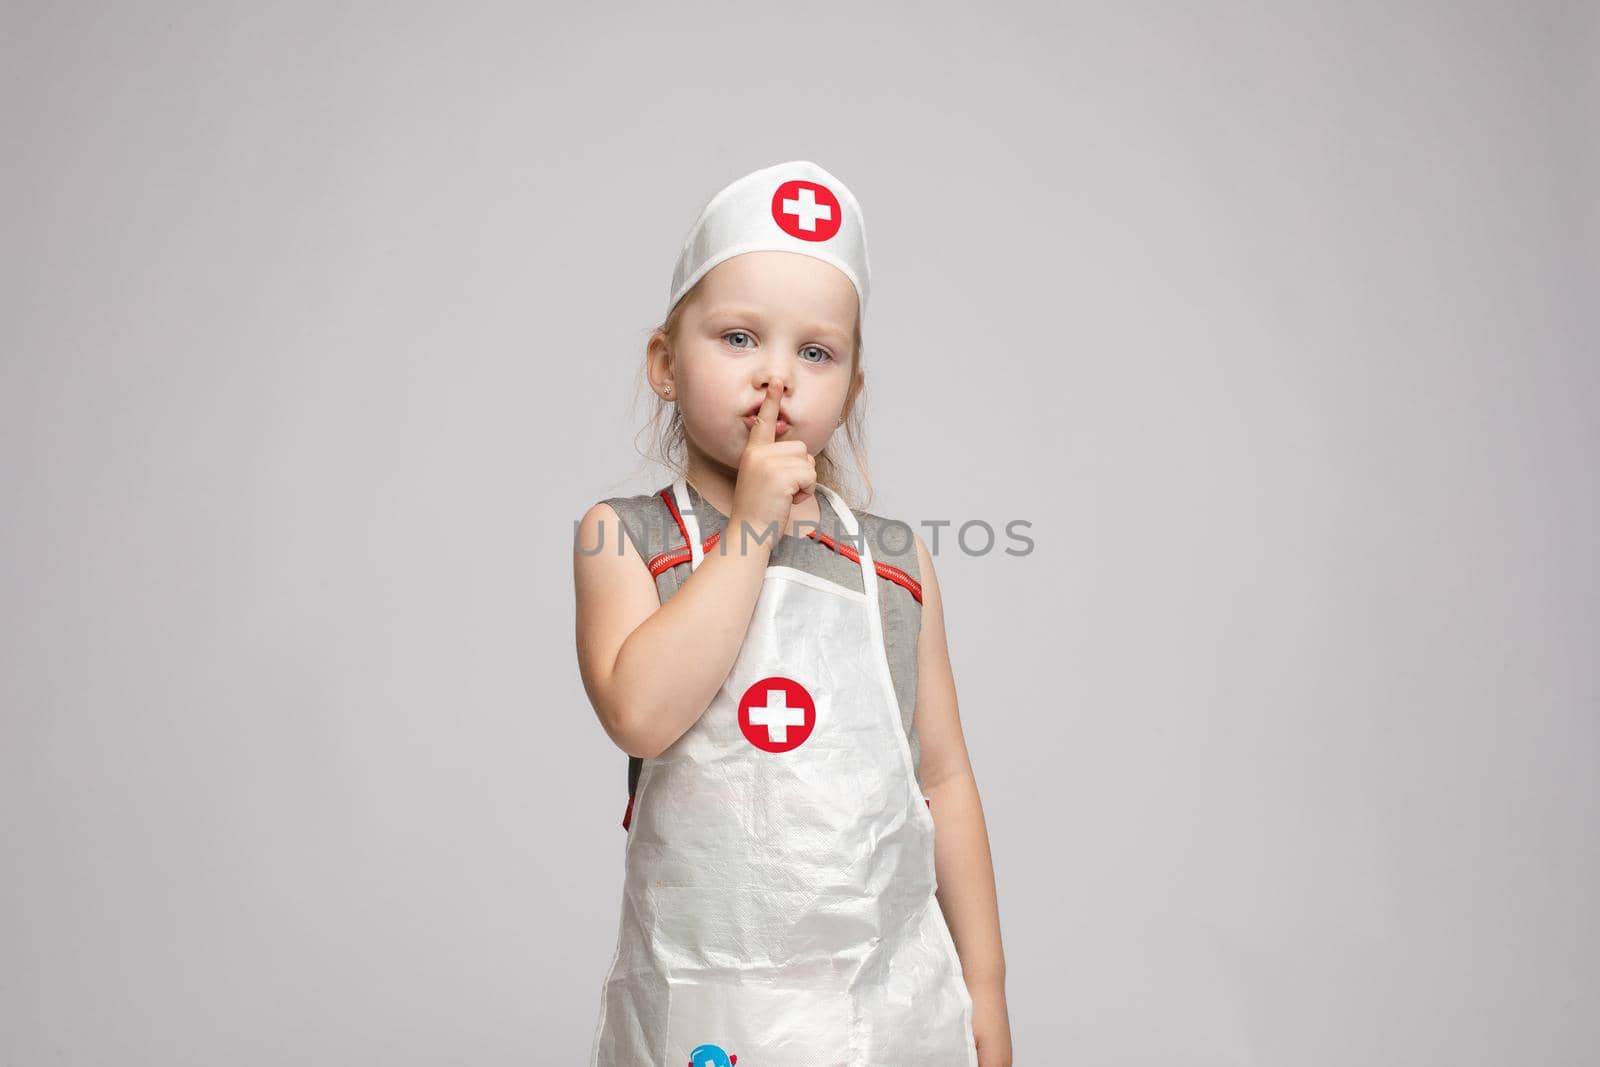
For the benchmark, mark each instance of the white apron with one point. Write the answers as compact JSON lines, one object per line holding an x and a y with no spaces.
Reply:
{"x":778,"y":899}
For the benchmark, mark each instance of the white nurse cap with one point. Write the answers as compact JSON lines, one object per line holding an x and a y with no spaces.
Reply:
{"x":790,"y":207}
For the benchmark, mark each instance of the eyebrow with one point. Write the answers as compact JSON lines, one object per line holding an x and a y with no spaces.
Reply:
{"x":737,"y":311}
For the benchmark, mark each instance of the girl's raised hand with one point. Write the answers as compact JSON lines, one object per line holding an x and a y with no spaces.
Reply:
{"x":773,"y":475}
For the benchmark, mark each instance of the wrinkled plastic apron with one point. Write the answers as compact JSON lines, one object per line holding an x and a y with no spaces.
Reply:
{"x":778,"y":898}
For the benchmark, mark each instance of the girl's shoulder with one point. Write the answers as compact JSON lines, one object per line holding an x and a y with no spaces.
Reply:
{"x":648,"y":522}
{"x":893,"y":544}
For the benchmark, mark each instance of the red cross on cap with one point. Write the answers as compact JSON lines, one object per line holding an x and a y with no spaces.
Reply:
{"x":806,"y":210}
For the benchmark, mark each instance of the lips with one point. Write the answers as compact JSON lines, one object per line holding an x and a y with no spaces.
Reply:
{"x":781,"y":425}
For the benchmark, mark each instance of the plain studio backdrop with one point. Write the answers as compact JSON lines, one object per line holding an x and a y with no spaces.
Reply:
{"x":321,"y":326}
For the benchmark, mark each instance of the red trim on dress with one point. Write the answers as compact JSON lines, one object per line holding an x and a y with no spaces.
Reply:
{"x":672,"y":506}
{"x":674,"y":556}
{"x":885,"y":570}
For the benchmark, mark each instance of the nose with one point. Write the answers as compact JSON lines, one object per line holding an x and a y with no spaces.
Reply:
{"x":774,"y":367}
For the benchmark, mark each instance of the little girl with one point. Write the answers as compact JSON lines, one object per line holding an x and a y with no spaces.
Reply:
{"x":783,"y":691}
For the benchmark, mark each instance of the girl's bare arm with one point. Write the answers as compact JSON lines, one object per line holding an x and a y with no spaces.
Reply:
{"x":651,"y":669}
{"x":962,"y":862}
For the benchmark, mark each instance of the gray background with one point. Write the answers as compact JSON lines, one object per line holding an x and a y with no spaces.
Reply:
{"x":321,"y":325}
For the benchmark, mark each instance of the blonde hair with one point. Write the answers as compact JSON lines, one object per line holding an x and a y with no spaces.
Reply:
{"x":668,"y":443}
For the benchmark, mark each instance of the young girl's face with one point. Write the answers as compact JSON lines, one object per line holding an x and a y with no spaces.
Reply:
{"x":756,"y":316}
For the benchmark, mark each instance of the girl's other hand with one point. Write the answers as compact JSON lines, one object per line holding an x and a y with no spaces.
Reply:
{"x":773,"y":475}
{"x":991,"y":1026}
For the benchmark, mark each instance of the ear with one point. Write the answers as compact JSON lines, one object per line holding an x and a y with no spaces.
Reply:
{"x":658,"y":361}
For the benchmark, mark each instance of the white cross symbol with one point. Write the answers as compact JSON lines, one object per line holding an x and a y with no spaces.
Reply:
{"x":777,"y":717}
{"x":807,"y":210}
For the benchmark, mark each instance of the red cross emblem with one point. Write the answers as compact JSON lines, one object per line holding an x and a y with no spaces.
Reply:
{"x":777,"y":714}
{"x":806,"y":210}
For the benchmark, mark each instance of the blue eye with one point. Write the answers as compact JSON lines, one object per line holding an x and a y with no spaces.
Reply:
{"x":731,"y":334}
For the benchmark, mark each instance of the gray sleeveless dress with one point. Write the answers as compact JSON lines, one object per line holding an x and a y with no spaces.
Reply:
{"x":649,"y":522}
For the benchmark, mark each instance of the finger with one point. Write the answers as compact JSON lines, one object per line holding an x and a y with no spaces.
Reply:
{"x":765,"y":429}
{"x":806,"y":482}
